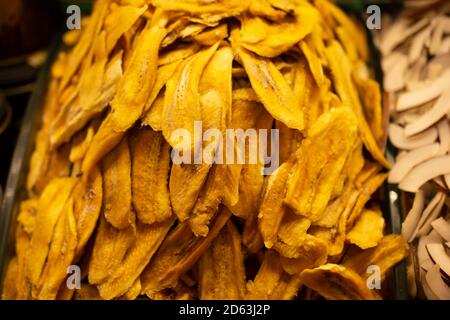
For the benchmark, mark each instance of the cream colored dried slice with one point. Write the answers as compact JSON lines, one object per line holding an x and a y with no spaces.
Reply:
{"x":436,"y":284}
{"x":400,"y":31}
{"x":424,"y":172}
{"x":400,"y":140}
{"x":404,"y":165}
{"x":444,"y":136}
{"x":415,"y":98}
{"x":432,"y":211}
{"x":442,"y":227}
{"x":413,"y":216}
{"x":439,"y":255}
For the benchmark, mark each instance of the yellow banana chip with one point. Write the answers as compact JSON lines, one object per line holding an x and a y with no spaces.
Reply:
{"x":51,"y":205}
{"x":149,"y":174}
{"x":116,"y":169}
{"x":221,"y":267}
{"x":390,"y":250}
{"x":368,"y":229}
{"x":336,"y":282}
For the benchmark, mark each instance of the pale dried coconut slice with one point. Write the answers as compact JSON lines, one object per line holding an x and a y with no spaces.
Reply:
{"x":433,"y":71}
{"x":424,"y":172}
{"x":418,"y":44}
{"x":436,"y":284}
{"x":413,"y":216}
{"x":401,"y":141}
{"x":442,"y":59}
{"x":414,"y":73}
{"x":438,"y":32}
{"x":444,"y":136}
{"x":437,"y":112}
{"x":404,"y":165}
{"x":428,"y":292}
{"x":440,"y":183}
{"x":394,"y":79}
{"x":431,"y":212}
{"x":391,"y":60}
{"x":444,"y":47}
{"x":422,"y":253}
{"x":400,"y":31}
{"x":439,"y":255}
{"x":416,"y":98}
{"x":442,"y":227}
{"x":447,"y":180}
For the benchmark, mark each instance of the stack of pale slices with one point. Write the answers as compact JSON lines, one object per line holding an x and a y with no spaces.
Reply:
{"x":416,"y":64}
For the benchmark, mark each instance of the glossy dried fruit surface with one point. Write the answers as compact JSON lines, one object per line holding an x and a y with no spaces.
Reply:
{"x":218,"y":149}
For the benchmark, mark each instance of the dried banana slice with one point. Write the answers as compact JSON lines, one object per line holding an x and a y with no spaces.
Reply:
{"x":110,"y":247}
{"x":207,"y":203}
{"x":150,"y":172}
{"x":60,"y":255}
{"x":390,"y":250}
{"x":225,"y":7}
{"x":214,"y":87}
{"x":9,"y":291}
{"x":182,"y":102}
{"x":22,"y":282}
{"x":177,"y":254}
{"x":116,"y":169}
{"x":221,"y":267}
{"x":271,"y":88}
{"x":94,"y":94}
{"x":341,"y":71}
{"x":133,"y":90}
{"x":272,"y":208}
{"x":148,"y":240}
{"x":330,"y":141}
{"x":88,"y":197}
{"x":368,"y":229}
{"x":119,"y":21}
{"x":336,"y":282}
{"x":274,"y":39}
{"x":52,"y":204}
{"x":271,"y":282}
{"x":84,"y":44}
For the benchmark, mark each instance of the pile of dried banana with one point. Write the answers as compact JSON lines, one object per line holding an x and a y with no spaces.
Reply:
{"x":105,"y":193}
